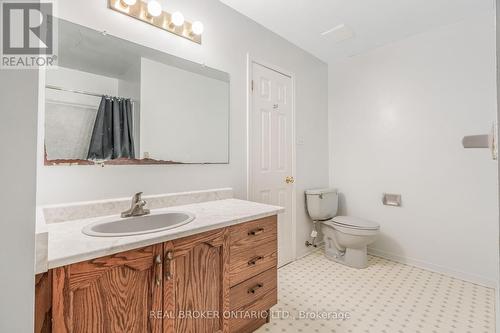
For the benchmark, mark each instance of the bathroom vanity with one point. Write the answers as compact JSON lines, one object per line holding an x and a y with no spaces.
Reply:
{"x":215,"y":274}
{"x":213,"y":268}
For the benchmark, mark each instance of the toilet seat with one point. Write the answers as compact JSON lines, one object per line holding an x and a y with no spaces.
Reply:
{"x":352,"y":222}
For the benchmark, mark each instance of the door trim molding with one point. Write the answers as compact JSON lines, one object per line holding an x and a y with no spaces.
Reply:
{"x":250,"y":61}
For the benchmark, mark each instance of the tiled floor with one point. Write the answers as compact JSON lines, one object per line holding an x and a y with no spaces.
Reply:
{"x":387,"y":297}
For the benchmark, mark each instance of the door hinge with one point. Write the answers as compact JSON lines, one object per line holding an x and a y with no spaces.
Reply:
{"x":252,"y":85}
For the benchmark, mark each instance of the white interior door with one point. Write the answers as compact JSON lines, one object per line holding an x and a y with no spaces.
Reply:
{"x":271,"y":147}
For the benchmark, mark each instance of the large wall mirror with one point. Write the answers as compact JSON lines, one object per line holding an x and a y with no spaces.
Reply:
{"x":115,"y":102}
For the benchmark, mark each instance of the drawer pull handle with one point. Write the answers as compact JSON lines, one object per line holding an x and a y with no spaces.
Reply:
{"x":256,"y":232}
{"x":253,"y":261}
{"x":254,"y":289}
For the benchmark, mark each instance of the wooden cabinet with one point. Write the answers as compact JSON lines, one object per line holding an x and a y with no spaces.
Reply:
{"x":193,"y":284}
{"x":111,"y":294}
{"x":253,"y":249}
{"x":196,"y":289}
{"x":253,"y":273}
{"x":43,"y":302}
{"x":253,"y":289}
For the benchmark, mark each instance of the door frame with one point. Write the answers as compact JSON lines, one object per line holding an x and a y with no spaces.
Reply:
{"x":250,"y":182}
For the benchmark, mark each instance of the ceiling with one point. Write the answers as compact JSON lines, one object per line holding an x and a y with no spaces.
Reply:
{"x":372,"y":22}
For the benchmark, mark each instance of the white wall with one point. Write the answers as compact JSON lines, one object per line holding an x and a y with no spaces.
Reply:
{"x":70,"y":117}
{"x":228,"y":38}
{"x":397,"y":117}
{"x":73,"y":79}
{"x":184,"y":118}
{"x":497,"y":7}
{"x":18,"y":133}
{"x":129,"y":86}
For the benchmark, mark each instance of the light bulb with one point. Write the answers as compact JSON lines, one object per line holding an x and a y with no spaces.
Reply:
{"x":177,"y":19}
{"x":154,"y":8}
{"x":128,"y":2}
{"x":197,"y":28}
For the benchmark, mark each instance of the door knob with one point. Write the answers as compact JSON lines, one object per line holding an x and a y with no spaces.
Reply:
{"x":289,"y":180}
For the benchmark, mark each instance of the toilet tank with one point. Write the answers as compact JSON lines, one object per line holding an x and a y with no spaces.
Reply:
{"x":322,"y":204}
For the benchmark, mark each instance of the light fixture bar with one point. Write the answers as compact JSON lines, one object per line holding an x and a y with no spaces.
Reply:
{"x":139,"y":11}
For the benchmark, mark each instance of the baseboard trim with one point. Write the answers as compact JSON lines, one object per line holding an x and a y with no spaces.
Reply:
{"x":476,"y":279}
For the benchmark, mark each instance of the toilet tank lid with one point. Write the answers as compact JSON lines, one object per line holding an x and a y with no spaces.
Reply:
{"x":321,"y":191}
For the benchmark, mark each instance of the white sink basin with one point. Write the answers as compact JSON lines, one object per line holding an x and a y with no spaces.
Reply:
{"x":118,"y":227}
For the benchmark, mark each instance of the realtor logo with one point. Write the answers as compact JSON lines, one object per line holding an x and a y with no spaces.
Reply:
{"x":27,"y":34}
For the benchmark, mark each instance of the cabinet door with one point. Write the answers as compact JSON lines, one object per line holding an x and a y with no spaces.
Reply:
{"x":43,"y":302}
{"x":196,"y":285}
{"x":118,"y":293}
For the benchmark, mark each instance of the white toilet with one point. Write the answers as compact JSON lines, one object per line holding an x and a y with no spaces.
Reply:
{"x":346,"y":237}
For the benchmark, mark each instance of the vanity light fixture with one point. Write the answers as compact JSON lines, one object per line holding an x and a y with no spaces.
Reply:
{"x":178,"y":19}
{"x":126,"y":3}
{"x":151,"y":12}
{"x":154,"y":8}
{"x":197,"y":28}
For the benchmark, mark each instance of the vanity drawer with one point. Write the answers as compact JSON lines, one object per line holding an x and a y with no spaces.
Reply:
{"x":252,"y":289}
{"x":248,"y":261}
{"x":243,"y":319}
{"x":258,"y":231}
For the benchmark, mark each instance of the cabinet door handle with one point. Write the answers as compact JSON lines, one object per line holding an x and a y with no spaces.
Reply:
{"x":254,"y":289}
{"x":256,"y":232}
{"x":158,"y":269}
{"x":168,"y":261}
{"x":253,"y":261}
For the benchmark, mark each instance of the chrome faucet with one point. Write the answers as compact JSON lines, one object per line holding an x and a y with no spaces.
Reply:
{"x":137,"y":207}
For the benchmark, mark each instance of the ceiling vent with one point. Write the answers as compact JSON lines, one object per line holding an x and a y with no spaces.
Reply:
{"x":339,"y":33}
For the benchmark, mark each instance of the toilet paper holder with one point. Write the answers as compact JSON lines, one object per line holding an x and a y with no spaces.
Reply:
{"x":489,"y":141}
{"x":393,"y":200}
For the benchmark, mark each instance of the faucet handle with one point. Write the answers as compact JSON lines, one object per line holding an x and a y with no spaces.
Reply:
{"x":138,"y":201}
{"x":136,"y":207}
{"x":137,"y":197}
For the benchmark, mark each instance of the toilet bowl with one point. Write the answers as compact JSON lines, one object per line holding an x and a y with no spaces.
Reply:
{"x":346,"y":237}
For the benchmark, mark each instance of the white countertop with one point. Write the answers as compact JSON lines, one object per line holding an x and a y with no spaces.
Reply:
{"x":67,"y":244}
{"x":41,"y":243}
